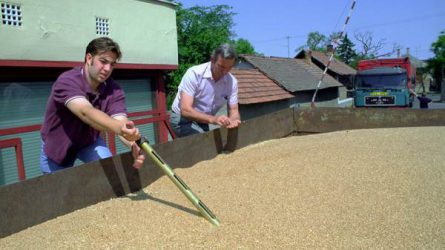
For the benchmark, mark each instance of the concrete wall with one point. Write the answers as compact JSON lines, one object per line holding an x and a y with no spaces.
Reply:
{"x":325,"y":98}
{"x":56,"y":31}
{"x":249,"y":111}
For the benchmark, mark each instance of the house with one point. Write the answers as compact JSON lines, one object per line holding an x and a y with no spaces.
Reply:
{"x":337,"y":69}
{"x":41,"y":39}
{"x":269,"y":84}
{"x":297,"y":77}
{"x":258,"y":94}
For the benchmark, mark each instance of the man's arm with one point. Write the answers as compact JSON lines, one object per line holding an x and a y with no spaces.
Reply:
{"x":99,"y":120}
{"x":234,"y":116}
{"x":187,"y":110}
{"x":119,"y":125}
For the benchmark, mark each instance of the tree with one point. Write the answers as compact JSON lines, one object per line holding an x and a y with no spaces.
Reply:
{"x":316,"y":41}
{"x":345,"y":50}
{"x":243,"y":46}
{"x":356,"y":59}
{"x":370,"y":48}
{"x":200,"y":30}
{"x":437,"y":63}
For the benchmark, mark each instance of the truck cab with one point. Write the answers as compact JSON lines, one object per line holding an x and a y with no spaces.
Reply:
{"x":384,"y":83}
{"x":382,"y":87}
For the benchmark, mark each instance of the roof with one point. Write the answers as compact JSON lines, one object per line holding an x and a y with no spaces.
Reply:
{"x":292,"y":74}
{"x":255,"y":87}
{"x":336,"y":65}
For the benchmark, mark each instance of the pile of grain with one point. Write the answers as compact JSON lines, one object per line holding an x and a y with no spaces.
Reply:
{"x":381,"y":188}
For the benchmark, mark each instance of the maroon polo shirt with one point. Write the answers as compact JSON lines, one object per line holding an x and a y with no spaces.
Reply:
{"x":62,"y":131}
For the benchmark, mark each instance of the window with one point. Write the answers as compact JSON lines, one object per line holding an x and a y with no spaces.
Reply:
{"x":102,"y":27}
{"x":11,"y":14}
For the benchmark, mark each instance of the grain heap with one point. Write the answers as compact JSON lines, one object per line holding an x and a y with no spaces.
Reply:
{"x":377,"y":188}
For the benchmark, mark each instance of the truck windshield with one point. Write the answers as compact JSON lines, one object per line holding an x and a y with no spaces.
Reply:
{"x":381,"y":81}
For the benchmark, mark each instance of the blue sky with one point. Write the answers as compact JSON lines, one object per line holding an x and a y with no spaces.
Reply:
{"x":412,"y":24}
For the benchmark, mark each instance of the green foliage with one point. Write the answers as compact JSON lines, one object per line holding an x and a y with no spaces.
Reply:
{"x":319,"y":42}
{"x":345,"y":50}
{"x":438,"y":47}
{"x":357,"y":58}
{"x":437,"y":63}
{"x":316,"y":41}
{"x":243,"y":46}
{"x":201,"y":29}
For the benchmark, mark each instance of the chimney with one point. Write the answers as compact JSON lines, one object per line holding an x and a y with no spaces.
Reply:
{"x":308,"y":57}
{"x":407,"y":52}
{"x":329,"y":49}
{"x":398,"y":52}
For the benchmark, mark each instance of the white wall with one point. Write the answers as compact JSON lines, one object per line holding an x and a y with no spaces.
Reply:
{"x":59,"y":30}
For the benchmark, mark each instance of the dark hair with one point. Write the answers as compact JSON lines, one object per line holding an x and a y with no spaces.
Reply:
{"x":226,"y":51}
{"x":103,"y":44}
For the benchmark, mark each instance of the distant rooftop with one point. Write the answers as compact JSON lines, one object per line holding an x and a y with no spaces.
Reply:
{"x":255,"y":87}
{"x":292,"y":74}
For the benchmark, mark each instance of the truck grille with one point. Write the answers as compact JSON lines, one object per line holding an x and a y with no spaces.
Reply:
{"x":380,"y":100}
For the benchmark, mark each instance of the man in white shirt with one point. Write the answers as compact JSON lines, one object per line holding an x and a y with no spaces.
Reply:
{"x":203,"y":90}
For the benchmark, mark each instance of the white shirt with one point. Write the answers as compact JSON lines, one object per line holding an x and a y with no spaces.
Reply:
{"x":209,"y":96}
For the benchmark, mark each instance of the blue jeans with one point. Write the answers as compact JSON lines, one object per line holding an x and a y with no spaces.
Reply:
{"x":93,"y":152}
{"x":184,"y":127}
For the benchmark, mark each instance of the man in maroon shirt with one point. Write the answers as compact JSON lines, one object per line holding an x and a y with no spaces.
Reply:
{"x":84,"y":101}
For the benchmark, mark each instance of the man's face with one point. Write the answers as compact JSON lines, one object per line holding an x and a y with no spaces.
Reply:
{"x":100,"y":66}
{"x":221,"y":66}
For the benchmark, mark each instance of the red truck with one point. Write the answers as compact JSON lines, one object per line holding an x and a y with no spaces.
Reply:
{"x":384,"y":83}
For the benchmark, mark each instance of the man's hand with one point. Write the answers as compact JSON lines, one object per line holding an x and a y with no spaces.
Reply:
{"x":128,"y":134}
{"x":222,"y":120}
{"x":129,"y":131}
{"x":226,"y":122}
{"x":234,"y":123}
{"x":138,"y":155}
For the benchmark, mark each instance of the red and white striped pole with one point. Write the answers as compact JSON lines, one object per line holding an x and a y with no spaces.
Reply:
{"x":335,"y":44}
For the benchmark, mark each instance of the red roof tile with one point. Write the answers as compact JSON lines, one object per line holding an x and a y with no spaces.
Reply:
{"x":255,"y":87}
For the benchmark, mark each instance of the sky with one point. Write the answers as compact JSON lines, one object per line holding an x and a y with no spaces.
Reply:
{"x":278,"y":28}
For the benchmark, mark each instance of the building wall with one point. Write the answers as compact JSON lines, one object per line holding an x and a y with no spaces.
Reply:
{"x":325,"y":98}
{"x":54,"y":31}
{"x":249,"y":111}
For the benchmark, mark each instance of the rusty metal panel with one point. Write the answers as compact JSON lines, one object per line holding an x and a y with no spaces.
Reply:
{"x":36,"y":200}
{"x":275,"y":125}
{"x":321,"y":120}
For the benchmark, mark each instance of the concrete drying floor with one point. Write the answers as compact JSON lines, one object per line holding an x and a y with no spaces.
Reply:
{"x":382,"y":188}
